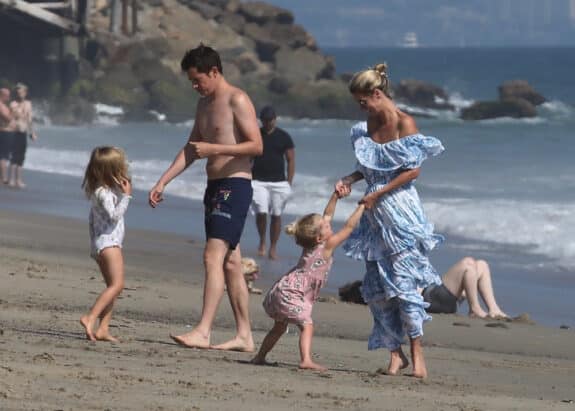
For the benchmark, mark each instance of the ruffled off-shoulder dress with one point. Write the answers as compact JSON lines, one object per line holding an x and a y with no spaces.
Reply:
{"x":394,"y":237}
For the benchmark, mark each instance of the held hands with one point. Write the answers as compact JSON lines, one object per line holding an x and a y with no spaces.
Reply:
{"x":343,"y":188}
{"x":156,"y":195}
{"x":369,"y":200}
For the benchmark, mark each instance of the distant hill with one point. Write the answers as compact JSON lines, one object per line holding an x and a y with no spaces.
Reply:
{"x":437,"y":22}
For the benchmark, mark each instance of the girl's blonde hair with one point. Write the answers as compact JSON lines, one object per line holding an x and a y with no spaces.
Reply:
{"x":364,"y":82}
{"x":305,"y":230}
{"x":107,"y":167}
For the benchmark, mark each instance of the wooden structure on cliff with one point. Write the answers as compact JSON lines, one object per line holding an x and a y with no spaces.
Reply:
{"x":67,"y":15}
{"x":43,"y":41}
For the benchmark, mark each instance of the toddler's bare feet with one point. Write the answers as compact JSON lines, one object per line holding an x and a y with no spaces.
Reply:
{"x":104,"y":335}
{"x":193,"y":339}
{"x":88,"y":326}
{"x":310,"y":365}
{"x":237,"y":344}
{"x":398,"y":361}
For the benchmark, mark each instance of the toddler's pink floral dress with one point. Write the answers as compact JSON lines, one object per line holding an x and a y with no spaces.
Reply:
{"x":292,"y":297}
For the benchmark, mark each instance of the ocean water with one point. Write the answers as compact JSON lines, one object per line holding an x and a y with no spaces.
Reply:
{"x":503,"y":189}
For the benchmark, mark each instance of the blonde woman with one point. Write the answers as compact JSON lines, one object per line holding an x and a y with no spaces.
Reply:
{"x":394,"y":235}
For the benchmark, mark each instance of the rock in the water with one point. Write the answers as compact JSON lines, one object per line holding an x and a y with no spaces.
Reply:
{"x":422,"y":94}
{"x":520,"y":89}
{"x":515,"y":108}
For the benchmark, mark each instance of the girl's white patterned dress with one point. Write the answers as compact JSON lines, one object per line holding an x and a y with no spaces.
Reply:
{"x":107,"y":219}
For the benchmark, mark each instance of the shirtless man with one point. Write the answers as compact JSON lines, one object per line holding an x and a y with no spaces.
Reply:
{"x":226,"y":133}
{"x":6,"y":129}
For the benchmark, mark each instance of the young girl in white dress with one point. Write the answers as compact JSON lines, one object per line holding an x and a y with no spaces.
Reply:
{"x":107,"y":185}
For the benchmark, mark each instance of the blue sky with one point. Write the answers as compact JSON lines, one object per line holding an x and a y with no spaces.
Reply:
{"x":436,"y":22}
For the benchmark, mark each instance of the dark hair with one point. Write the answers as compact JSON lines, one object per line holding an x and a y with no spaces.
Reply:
{"x":202,"y":58}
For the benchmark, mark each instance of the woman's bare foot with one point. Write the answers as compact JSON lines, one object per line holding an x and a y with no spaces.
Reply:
{"x":477,"y":314}
{"x":262,"y":250}
{"x":237,"y":344}
{"x":193,"y":339}
{"x":310,"y":365}
{"x":419,"y":368}
{"x":104,"y":335}
{"x":398,"y":361}
{"x":498,"y":315}
{"x":88,"y":326}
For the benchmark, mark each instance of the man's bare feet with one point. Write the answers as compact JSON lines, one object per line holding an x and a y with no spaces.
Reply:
{"x":236,"y":344}
{"x":310,"y":365}
{"x":262,"y":250}
{"x":104,"y":335}
{"x":193,"y":339}
{"x":88,"y":327}
{"x":398,"y":361}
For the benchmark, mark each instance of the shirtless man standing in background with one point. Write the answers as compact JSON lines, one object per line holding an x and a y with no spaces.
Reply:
{"x":226,"y":132}
{"x":6,"y":134}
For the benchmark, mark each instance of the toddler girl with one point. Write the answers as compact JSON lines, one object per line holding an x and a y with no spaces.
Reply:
{"x":291,"y":298}
{"x":107,"y":184}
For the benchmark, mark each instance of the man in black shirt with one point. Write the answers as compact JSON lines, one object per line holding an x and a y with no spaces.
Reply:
{"x":271,"y":186}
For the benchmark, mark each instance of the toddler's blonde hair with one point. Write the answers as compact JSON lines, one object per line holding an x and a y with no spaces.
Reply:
{"x":305,"y":230}
{"x":364,"y":82}
{"x":107,"y":167}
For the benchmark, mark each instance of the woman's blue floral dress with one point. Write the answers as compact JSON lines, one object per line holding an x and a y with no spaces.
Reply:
{"x":394,"y":238}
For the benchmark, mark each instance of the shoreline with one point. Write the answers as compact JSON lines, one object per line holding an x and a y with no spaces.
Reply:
{"x":49,"y":281}
{"x":518,"y":277}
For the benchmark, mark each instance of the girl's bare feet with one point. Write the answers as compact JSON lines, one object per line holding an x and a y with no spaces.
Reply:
{"x":88,"y":326}
{"x":104,"y":335}
{"x":398,"y":361}
{"x":310,"y":365}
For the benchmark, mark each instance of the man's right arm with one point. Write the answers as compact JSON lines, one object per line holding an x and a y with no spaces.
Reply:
{"x":183,"y":160}
{"x":5,"y":113}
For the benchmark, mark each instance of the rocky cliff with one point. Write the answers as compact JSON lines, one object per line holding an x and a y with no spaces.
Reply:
{"x":263,"y":51}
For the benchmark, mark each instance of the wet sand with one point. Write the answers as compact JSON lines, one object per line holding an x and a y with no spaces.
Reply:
{"x":49,"y":281}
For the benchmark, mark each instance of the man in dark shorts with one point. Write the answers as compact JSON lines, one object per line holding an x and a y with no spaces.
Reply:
{"x":6,"y":134}
{"x":226,"y":133}
{"x":271,"y":183}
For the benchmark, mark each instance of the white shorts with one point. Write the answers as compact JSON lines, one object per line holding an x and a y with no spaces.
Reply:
{"x":270,"y":197}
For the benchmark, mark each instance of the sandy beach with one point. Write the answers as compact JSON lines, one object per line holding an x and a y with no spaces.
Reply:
{"x":48,"y":281}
